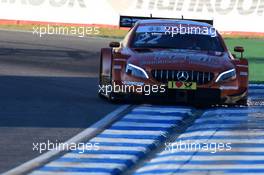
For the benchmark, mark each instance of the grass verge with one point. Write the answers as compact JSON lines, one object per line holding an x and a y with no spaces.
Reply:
{"x":254,"y":52}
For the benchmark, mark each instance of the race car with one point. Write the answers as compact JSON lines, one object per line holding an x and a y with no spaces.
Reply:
{"x":180,"y":60}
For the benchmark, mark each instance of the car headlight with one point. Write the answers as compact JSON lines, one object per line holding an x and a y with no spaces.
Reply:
{"x":136,"y":71}
{"x":227,"y":75}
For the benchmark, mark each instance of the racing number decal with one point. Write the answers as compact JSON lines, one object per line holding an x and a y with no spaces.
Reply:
{"x":142,"y":38}
{"x":155,"y":39}
{"x":147,"y":38}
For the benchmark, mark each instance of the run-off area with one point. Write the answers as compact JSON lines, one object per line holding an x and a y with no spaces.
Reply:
{"x":228,"y":140}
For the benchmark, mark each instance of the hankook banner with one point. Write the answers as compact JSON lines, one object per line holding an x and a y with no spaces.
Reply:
{"x":228,"y":15}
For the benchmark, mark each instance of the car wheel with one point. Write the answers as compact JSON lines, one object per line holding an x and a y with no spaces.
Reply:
{"x":115,"y":98}
{"x":100,"y":78}
{"x":101,"y":93}
{"x":102,"y":96}
{"x":243,"y":102}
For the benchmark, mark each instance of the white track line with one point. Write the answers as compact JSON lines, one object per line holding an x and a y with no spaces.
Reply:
{"x":114,"y":140}
{"x":68,"y":173}
{"x":162,"y":110}
{"x":206,"y":158}
{"x":131,"y":132}
{"x":138,"y":124}
{"x":84,"y":135}
{"x":151,"y":117}
{"x":86,"y":165}
{"x":106,"y":156}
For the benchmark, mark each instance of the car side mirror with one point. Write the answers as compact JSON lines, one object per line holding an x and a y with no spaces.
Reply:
{"x":114,"y":44}
{"x":240,"y":50}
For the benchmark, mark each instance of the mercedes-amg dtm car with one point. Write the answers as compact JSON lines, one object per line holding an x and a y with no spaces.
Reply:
{"x":181,"y":60}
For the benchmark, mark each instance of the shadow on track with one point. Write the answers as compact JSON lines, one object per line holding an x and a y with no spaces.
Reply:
{"x":50,"y":102}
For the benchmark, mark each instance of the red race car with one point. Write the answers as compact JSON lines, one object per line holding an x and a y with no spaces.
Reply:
{"x":180,"y":60}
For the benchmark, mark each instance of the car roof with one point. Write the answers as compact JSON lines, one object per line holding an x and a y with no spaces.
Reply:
{"x":173,"y":21}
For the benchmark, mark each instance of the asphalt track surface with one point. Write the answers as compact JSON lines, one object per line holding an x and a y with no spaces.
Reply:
{"x":48,"y":91}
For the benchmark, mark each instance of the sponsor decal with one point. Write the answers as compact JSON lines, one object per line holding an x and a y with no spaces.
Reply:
{"x":182,"y":85}
{"x":180,"y":58}
{"x":183,"y":76}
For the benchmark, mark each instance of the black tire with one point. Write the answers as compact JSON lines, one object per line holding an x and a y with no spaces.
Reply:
{"x":115,"y":98}
{"x":102,"y":96}
{"x":100,"y":78}
{"x":112,"y":97}
{"x":242,"y":102}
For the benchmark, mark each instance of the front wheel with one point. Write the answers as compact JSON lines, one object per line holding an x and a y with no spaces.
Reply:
{"x":243,"y":102}
{"x":115,"y":98}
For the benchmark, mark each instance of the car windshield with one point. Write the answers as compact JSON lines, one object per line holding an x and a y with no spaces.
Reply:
{"x":148,"y":37}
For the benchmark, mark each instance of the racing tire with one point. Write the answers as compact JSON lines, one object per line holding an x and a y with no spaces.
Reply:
{"x":115,"y":98}
{"x":242,"y":102}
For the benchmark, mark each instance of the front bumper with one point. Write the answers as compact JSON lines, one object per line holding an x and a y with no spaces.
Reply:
{"x":202,"y":95}
{"x":212,"y":96}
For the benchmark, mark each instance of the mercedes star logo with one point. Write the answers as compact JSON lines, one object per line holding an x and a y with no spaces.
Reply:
{"x":182,"y":76}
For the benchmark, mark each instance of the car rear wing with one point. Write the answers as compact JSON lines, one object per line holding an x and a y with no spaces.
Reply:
{"x":129,"y":21}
